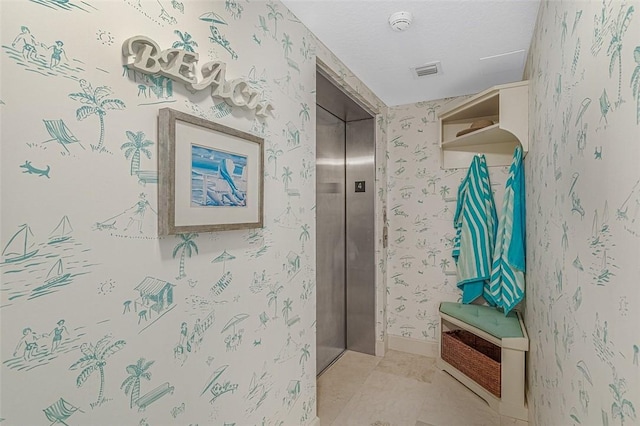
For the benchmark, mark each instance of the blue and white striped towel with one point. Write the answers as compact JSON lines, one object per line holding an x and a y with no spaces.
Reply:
{"x":506,"y":288}
{"x":475,"y":222}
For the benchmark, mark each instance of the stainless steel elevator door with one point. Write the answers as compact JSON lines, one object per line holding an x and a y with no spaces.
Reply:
{"x":360,"y":167}
{"x":330,"y":239}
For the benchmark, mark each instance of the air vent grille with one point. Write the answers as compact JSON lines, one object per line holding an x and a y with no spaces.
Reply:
{"x":429,"y":69}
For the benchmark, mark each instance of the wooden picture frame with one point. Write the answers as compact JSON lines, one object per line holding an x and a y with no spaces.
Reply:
{"x":210,"y":176}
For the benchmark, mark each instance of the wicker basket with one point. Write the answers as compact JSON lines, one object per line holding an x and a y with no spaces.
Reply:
{"x":473,"y":356}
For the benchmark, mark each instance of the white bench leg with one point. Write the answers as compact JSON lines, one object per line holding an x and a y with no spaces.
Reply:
{"x":512,"y":402}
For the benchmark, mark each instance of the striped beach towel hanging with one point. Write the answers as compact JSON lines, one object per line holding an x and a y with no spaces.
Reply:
{"x":506,"y":288}
{"x":475,"y":222}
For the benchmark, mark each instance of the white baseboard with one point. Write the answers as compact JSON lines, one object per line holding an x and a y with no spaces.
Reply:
{"x":412,"y":346}
{"x":315,"y":422}
{"x":381,"y":347}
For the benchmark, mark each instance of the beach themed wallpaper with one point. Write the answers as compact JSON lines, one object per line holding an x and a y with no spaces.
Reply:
{"x":103,"y":322}
{"x":421,"y":204}
{"x":583,"y":218}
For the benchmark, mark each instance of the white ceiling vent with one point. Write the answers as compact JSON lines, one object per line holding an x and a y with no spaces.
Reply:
{"x":433,"y":68}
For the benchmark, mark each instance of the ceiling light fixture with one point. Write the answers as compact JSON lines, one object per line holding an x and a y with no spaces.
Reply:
{"x":400,"y":21}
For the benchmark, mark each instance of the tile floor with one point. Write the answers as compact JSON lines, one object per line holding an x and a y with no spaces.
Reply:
{"x":398,"y":390}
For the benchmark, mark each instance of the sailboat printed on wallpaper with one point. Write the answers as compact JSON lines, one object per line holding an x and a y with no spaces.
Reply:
{"x":55,"y":276}
{"x":62,"y":232}
{"x":16,"y":248}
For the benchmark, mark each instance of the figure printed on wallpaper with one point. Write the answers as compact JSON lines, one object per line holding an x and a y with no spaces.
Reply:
{"x":19,"y":248}
{"x":42,"y":58}
{"x":292,"y":135}
{"x":292,"y":265}
{"x":307,"y":49}
{"x":181,"y":347}
{"x":397,"y":211}
{"x":216,"y":37}
{"x":139,"y":210}
{"x":131,"y":384}
{"x":27,"y":43}
{"x":176,"y":411}
{"x":576,"y":19}
{"x":601,"y":343}
{"x":293,"y":393}
{"x":106,"y":287}
{"x":153,"y":395}
{"x":60,"y":133}
{"x":557,"y":95}
{"x":605,"y":106}
{"x":286,"y":86}
{"x":57,"y":335}
{"x":579,"y":268}
{"x":60,"y":411}
{"x":32,"y":170}
{"x":57,"y":52}
{"x":576,"y":205}
{"x":304,"y":235}
{"x":601,"y":25}
{"x":259,"y":388}
{"x":274,"y":15}
{"x":28,"y":344}
{"x":287,"y":307}
{"x":155,"y":300}
{"x":96,"y":101}
{"x":286,"y":45}
{"x":105,"y":37}
{"x":186,"y":41}
{"x":217,"y":387}
{"x":635,"y":82}
{"x":234,"y":339}
{"x":138,"y":144}
{"x":155,"y":11}
{"x":621,"y":407}
{"x":186,"y":247}
{"x":94,"y":358}
{"x":159,"y":86}
{"x":272,"y":156}
{"x":177,"y":5}
{"x":272,"y":296}
{"x":257,"y":40}
{"x":264,"y":319}
{"x":222,"y":283}
{"x":288,"y":218}
{"x":617,"y":29}
{"x":234,"y":8}
{"x":217,"y":110}
{"x":576,"y":58}
{"x":263,"y":25}
{"x":582,"y":129}
{"x":636,"y":350}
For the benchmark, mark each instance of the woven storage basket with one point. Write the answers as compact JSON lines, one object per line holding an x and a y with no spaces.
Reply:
{"x":475,"y":357}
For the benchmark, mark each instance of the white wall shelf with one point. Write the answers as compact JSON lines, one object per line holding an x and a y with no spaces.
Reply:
{"x":507,"y":106}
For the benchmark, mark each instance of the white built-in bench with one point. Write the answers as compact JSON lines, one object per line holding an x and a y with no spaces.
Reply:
{"x":509,"y":334}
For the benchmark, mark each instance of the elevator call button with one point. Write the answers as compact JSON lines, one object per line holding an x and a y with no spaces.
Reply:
{"x":360,"y":186}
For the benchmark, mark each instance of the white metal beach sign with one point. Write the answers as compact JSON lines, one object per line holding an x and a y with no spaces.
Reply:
{"x":145,"y":55}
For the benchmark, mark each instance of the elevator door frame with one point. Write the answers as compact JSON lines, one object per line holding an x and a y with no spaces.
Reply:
{"x":359,"y":283}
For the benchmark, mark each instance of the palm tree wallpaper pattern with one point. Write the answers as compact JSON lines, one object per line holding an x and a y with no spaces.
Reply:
{"x":583,"y":354}
{"x":174,"y":322}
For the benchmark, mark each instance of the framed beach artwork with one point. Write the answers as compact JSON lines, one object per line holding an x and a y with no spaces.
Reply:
{"x":210,"y":176}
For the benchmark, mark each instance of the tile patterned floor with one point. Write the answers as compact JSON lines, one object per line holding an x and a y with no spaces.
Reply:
{"x":398,"y":390}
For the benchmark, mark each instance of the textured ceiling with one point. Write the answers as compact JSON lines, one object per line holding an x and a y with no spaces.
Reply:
{"x":457,"y":33}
